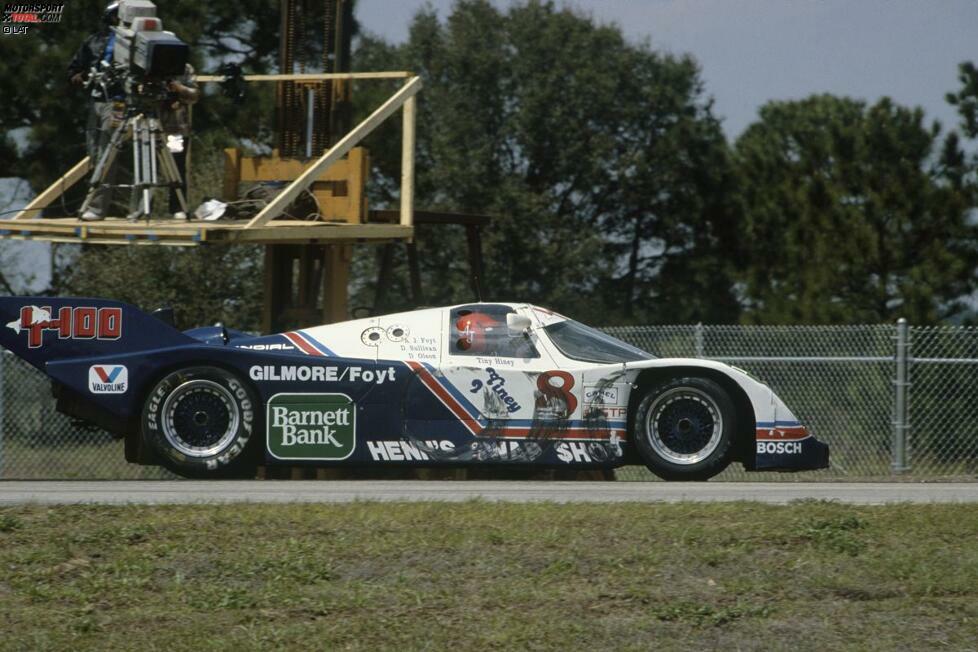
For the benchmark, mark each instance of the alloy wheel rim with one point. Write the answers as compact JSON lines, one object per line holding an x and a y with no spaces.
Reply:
{"x":684,"y":425}
{"x":200,"y":418}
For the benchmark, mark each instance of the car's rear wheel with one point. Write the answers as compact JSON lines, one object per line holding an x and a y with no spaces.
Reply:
{"x":684,"y":428}
{"x":200,"y":422}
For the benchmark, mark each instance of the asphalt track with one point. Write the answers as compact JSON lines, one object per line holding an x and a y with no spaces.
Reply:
{"x":344,"y":491}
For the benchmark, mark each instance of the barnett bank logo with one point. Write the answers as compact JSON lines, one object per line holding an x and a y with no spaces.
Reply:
{"x":19,"y":16}
{"x":108,"y":379}
{"x":311,"y":426}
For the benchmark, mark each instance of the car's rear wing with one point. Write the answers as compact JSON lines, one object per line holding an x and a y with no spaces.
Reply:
{"x":44,"y":329}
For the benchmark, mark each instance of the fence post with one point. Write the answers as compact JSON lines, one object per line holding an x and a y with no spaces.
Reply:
{"x":3,"y":355}
{"x":901,"y":402}
{"x":698,"y":340}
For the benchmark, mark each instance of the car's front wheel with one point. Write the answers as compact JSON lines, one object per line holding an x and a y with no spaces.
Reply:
{"x":684,"y":428}
{"x":200,"y":422}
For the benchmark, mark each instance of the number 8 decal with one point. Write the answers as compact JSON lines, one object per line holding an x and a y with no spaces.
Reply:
{"x":556,"y":397}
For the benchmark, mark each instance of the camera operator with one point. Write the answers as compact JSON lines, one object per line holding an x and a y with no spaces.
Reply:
{"x":106,"y":101}
{"x":175,"y":120}
{"x":142,"y":87}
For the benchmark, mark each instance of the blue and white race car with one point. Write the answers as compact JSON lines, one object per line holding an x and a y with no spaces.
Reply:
{"x":483,"y":383}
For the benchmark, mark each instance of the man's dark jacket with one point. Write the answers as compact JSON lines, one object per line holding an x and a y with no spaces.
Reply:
{"x":88,"y":54}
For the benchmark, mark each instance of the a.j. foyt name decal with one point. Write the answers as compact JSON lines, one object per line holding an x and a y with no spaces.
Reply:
{"x":75,"y":323}
{"x":324,"y":374}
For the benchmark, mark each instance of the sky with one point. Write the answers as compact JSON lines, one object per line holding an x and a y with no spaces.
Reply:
{"x":750,"y":52}
{"x":753,"y":51}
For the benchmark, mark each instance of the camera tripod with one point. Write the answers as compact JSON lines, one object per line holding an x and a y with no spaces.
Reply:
{"x":151,"y":160}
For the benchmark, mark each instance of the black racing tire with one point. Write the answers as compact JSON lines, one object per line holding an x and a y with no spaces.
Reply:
{"x":684,"y":428}
{"x":200,"y":422}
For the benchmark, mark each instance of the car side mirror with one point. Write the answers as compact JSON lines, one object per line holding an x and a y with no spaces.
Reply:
{"x":517,"y":324}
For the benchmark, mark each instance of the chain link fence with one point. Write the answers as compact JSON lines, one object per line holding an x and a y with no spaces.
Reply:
{"x":37,"y":442}
{"x":844,"y":382}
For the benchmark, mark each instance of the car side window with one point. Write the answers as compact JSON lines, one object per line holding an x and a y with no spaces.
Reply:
{"x":481,"y":330}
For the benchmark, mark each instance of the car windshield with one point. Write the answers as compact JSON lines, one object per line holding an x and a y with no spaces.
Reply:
{"x":580,"y":342}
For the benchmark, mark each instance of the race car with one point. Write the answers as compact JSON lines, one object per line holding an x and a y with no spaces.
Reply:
{"x":473,"y":384}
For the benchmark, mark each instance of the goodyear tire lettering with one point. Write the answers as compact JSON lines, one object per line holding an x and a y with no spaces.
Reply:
{"x":190,"y":447}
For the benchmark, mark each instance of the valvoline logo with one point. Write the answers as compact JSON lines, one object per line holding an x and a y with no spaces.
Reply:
{"x":108,"y":379}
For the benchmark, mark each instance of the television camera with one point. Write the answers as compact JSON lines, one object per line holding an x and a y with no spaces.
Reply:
{"x":144,"y":55}
{"x":145,"y":58}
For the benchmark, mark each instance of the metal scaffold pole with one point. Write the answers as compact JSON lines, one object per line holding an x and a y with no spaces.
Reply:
{"x":901,"y":402}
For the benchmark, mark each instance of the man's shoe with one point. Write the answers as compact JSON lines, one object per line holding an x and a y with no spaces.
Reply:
{"x":91,"y":216}
{"x":180,"y":215}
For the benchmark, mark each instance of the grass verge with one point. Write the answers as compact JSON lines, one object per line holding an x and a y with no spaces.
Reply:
{"x":807,"y":576}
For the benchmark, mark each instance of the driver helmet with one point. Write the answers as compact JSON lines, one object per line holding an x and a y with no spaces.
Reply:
{"x":473,"y":329}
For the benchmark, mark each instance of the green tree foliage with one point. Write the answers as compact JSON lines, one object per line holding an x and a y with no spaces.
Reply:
{"x":204,"y":285}
{"x":600,"y":161}
{"x":853,"y":215}
{"x":51,"y":114}
{"x":614,"y":195}
{"x":966,"y":98}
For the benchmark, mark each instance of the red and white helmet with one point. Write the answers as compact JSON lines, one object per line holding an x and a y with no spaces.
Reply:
{"x":473,"y":329}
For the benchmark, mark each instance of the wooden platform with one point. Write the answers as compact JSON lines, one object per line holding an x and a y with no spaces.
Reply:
{"x":262,"y":228}
{"x":120,"y":231}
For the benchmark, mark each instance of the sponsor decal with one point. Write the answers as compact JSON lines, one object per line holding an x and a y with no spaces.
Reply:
{"x":573,"y":452}
{"x":311,"y":426}
{"x":786,"y":431}
{"x":576,"y":452}
{"x":506,"y":451}
{"x":495,"y":384}
{"x":71,"y":323}
{"x":553,"y":403}
{"x":407,"y":451}
{"x":108,"y":379}
{"x":308,"y":373}
{"x":607,"y":394}
{"x":599,"y":411}
{"x":266,"y":347}
{"x":779,"y":447}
